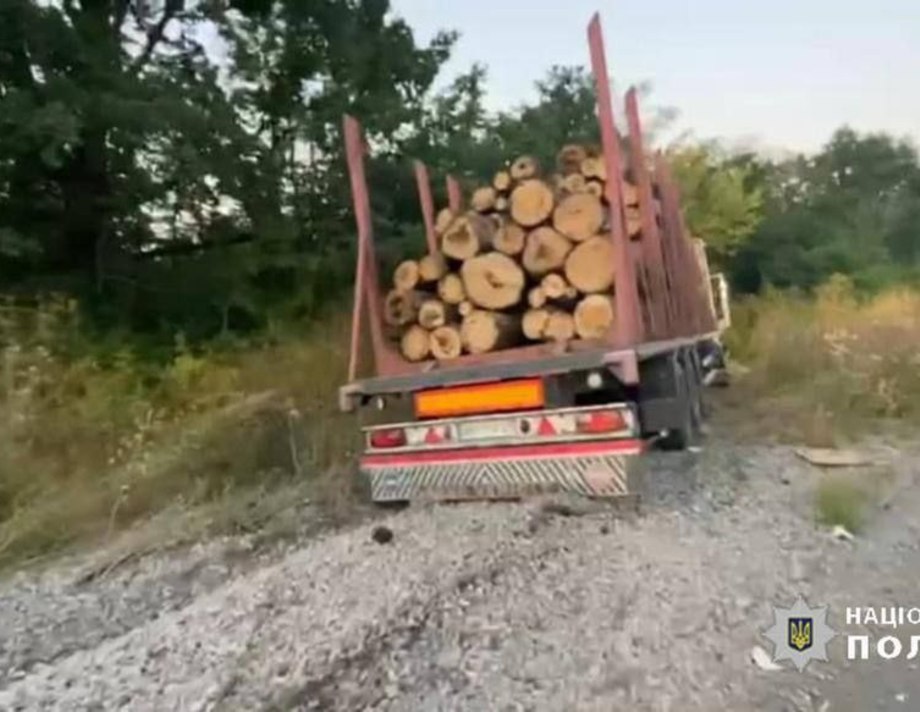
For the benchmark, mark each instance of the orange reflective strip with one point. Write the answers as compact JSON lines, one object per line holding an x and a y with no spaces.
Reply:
{"x":483,"y":398}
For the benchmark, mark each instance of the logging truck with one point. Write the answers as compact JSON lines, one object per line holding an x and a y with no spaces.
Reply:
{"x":560,"y":322}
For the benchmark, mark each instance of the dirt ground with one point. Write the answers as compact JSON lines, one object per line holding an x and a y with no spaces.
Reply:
{"x":493,"y":606}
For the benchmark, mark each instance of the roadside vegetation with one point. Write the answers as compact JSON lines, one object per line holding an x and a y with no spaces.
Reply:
{"x":174,"y":255}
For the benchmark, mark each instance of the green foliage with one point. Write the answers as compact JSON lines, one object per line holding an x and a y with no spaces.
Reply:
{"x":720,"y":205}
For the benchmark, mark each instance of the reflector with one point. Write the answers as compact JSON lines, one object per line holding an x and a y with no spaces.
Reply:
{"x":604,"y":421}
{"x":391,"y":437}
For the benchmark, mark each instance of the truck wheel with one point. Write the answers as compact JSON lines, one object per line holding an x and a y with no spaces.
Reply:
{"x":688,"y":433}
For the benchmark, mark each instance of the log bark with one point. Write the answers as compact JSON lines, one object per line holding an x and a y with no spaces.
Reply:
{"x":401,"y":308}
{"x":574,"y":183}
{"x":443,"y":220}
{"x":434,"y":313}
{"x":431,"y":268}
{"x":589,"y":268}
{"x":594,"y":167}
{"x":484,"y":331}
{"x":450,"y":289}
{"x":594,"y":316}
{"x":445,"y":342}
{"x":545,"y":251}
{"x":493,"y":281}
{"x":502,"y":181}
{"x":483,"y":199}
{"x":406,"y":276}
{"x":536,"y":298}
{"x":560,"y":326}
{"x":531,"y":203}
{"x":534,"y":323}
{"x":467,"y":236}
{"x":570,"y":158}
{"x":578,"y":216}
{"x":466,"y":308}
{"x":509,"y":238}
{"x":524,"y":167}
{"x":414,"y":344}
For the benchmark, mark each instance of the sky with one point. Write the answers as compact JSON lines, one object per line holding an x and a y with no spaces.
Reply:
{"x":773,"y":75}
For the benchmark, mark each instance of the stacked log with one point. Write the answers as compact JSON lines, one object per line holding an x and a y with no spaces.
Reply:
{"x":530,"y":261}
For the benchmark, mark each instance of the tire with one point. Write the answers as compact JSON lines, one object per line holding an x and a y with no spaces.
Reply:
{"x":689,"y":432}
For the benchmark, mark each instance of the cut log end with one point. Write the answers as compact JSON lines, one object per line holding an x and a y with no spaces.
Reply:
{"x":630,"y":193}
{"x":502,"y":181}
{"x":594,"y":167}
{"x":570,"y":158}
{"x":524,"y":167}
{"x":594,"y":316}
{"x":546,"y":251}
{"x":450,"y":289}
{"x":483,"y":199}
{"x":574,"y":183}
{"x":434,"y":313}
{"x":401,"y":308}
{"x":467,"y":236}
{"x":595,"y":188}
{"x":431,"y":268}
{"x":560,"y":326}
{"x":532,"y":203}
{"x":534,"y":323}
{"x":443,"y":220}
{"x":536,"y":297}
{"x":492,"y":281}
{"x":484,"y":331}
{"x":406,"y":276}
{"x":445,"y":342}
{"x":510,"y":239}
{"x":578,"y":216}
{"x":589,"y":268}
{"x":555,"y":286}
{"x":466,"y":308}
{"x":414,"y":344}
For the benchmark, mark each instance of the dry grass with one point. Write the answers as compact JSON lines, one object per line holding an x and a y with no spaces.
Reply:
{"x":90,"y":446}
{"x":824,"y":369}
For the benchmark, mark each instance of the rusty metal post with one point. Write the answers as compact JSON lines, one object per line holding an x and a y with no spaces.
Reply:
{"x":628,"y":330}
{"x":426,"y":204}
{"x":661,"y":297}
{"x":454,"y":195}
{"x":366,"y":284}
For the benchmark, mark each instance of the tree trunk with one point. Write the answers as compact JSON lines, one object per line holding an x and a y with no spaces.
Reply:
{"x":431,"y":268}
{"x":570,"y":158}
{"x":594,"y":316}
{"x":534,"y":323}
{"x":509,"y":238}
{"x":589,"y":268}
{"x":450,"y":289}
{"x":401,"y":308}
{"x":414,"y":344}
{"x":483,"y":199}
{"x":445,"y":342}
{"x":546,"y":251}
{"x":560,"y":326}
{"x":493,"y":281}
{"x":524,"y":167}
{"x":484,"y":331}
{"x":467,"y":236}
{"x":531,"y":203}
{"x":406,"y":276}
{"x":579,"y":216}
{"x":502,"y":181}
{"x":434,"y":313}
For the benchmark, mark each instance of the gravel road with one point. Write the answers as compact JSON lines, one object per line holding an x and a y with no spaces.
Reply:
{"x":482,"y":607}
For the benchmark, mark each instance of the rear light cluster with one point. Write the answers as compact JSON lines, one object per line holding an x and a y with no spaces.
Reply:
{"x":513,"y":429}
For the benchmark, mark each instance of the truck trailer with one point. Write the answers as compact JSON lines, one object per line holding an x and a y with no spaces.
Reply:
{"x":546,"y":418}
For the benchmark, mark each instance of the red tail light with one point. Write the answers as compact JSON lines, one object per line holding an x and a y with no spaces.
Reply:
{"x":390,"y":437}
{"x":605,"y":421}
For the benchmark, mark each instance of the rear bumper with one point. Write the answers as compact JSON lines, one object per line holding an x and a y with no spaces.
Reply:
{"x":600,"y":468}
